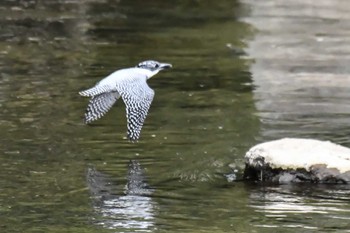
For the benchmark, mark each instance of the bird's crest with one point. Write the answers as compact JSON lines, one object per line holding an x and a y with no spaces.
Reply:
{"x":149,"y":64}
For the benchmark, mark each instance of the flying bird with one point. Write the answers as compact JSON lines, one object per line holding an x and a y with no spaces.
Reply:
{"x":131,"y":85}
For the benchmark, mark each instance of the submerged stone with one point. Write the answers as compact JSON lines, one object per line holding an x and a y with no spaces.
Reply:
{"x":298,"y":160}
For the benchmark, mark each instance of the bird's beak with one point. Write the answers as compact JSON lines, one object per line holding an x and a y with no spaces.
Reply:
{"x":165,"y":66}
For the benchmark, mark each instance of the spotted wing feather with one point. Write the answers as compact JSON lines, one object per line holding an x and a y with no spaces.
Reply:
{"x":137,"y":96}
{"x":99,"y":105}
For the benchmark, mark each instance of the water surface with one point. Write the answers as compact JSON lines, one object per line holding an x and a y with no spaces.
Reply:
{"x":220,"y":98}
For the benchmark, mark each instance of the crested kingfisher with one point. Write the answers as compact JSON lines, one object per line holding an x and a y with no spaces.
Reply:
{"x":131,"y":85}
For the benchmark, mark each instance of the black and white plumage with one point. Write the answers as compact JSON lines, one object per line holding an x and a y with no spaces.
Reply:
{"x":131,"y":85}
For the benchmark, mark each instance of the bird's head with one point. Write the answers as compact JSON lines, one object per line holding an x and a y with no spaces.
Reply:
{"x":153,"y":65}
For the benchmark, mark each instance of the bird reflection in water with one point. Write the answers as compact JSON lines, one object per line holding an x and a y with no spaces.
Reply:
{"x":134,"y":210}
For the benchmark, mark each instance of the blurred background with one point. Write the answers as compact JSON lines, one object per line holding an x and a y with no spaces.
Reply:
{"x":243,"y":72}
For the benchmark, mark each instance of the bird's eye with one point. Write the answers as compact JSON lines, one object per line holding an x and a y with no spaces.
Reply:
{"x":156,"y":65}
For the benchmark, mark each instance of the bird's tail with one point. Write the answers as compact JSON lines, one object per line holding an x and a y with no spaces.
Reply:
{"x":96,"y":90}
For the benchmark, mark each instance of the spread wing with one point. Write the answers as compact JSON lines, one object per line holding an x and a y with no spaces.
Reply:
{"x":137,"y":96}
{"x":99,"y":105}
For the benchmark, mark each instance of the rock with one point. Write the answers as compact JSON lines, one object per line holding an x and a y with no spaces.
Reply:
{"x":298,"y":160}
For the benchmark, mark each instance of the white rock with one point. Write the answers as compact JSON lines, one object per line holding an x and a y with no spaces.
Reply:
{"x":296,"y":153}
{"x":297,"y":160}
